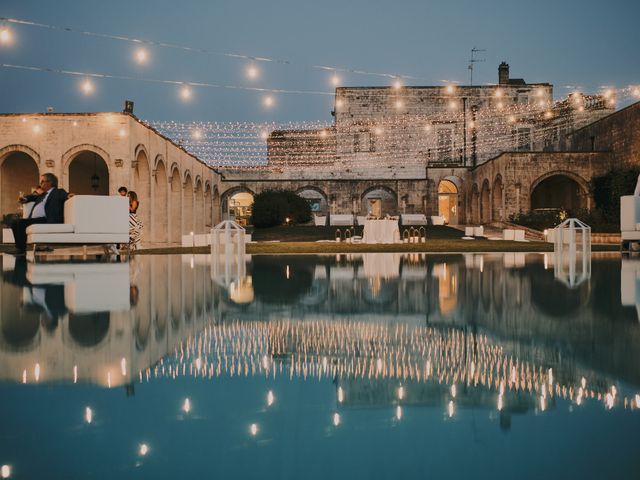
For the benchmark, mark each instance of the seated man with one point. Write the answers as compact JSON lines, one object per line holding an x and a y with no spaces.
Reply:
{"x":48,"y":208}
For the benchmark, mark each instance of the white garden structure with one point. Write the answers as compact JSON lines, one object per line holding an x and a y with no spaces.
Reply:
{"x":572,"y":252}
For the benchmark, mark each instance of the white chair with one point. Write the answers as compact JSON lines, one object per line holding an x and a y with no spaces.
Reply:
{"x":629,"y":219}
{"x":319,"y":220}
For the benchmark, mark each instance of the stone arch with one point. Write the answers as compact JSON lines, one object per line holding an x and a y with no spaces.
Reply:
{"x":188,"y":210}
{"x":69,"y":155}
{"x":158,"y":160}
{"x":19,"y":148}
{"x":497,"y":208}
{"x":485,"y":202}
{"x":199,"y":206}
{"x":559,"y":189}
{"x":208,"y":207}
{"x":87,"y":172}
{"x":142,"y":187}
{"x":378,"y":200}
{"x":160,"y":204}
{"x":18,"y":173}
{"x":241,"y":210}
{"x":448,"y":191}
{"x":140,"y":148}
{"x":316,"y":197}
{"x":175,"y":206}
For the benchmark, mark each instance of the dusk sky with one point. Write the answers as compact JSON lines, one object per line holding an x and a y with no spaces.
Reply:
{"x":571,"y":44}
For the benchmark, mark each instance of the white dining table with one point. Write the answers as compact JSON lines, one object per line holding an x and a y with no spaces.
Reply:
{"x":381,"y":231}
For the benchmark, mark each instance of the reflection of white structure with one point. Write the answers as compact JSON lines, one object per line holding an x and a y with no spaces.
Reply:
{"x":630,"y":283}
{"x":88,"y":287}
{"x":572,"y":252}
{"x":381,"y":265}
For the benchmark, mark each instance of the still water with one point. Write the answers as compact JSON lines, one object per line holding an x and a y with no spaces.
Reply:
{"x":358,"y":366}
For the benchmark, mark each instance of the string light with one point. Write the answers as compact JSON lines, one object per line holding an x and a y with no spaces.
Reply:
{"x":5,"y":471}
{"x":6,"y":37}
{"x":252,"y":72}
{"x":185,"y":93}
{"x":335,"y":80}
{"x":86,"y":86}
{"x":141,"y":56}
{"x":268,"y":101}
{"x":88,"y":415}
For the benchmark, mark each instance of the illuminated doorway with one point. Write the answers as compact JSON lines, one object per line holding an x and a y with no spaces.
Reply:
{"x":448,"y":201}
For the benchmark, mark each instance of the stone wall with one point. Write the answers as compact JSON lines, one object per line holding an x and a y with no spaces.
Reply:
{"x":125,"y":152}
{"x":618,"y":133}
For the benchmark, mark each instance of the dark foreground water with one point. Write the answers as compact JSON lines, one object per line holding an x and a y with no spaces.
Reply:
{"x":360,"y":366}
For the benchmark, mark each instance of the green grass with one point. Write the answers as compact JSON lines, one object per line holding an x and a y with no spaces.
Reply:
{"x":435,"y":245}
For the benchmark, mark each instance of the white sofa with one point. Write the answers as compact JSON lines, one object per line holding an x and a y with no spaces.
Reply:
{"x":89,"y":219}
{"x":437,"y":220}
{"x":414,"y":219}
{"x":341,"y":219}
{"x":629,"y":218}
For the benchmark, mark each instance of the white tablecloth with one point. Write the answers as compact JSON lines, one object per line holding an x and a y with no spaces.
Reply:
{"x":381,"y":231}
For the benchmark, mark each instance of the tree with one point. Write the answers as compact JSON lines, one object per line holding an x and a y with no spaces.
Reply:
{"x":274,"y":207}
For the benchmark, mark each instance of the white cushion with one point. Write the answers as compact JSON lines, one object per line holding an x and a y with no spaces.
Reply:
{"x":519,"y":235}
{"x":468,"y":231}
{"x":437,"y":220}
{"x":98,"y":213}
{"x":50,"y":228}
{"x":508,"y":234}
{"x":478,"y":231}
{"x":341,"y":219}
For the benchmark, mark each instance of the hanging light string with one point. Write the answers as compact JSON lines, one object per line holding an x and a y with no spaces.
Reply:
{"x":401,"y":141}
{"x":186,"y":48}
{"x":161,"y":81}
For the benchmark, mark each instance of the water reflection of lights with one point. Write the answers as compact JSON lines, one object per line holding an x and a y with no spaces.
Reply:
{"x":88,"y":415}
{"x":36,"y":372}
{"x":253,"y":429}
{"x":451,"y":408}
{"x":123,"y":366}
{"x":143,"y":449}
{"x":5,"y":471}
{"x":186,"y":405}
{"x":336,"y":419}
{"x":371,"y":351}
{"x":75,"y":374}
{"x":270,"y":398}
{"x":401,"y":393}
{"x":399,"y":412}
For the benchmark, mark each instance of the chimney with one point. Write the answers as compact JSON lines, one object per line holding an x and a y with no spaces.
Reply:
{"x":128,"y":107}
{"x":503,"y":73}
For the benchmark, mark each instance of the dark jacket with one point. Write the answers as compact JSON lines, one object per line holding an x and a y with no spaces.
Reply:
{"x":54,"y":208}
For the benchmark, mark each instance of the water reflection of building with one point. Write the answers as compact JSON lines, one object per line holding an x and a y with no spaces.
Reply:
{"x":410,"y":321}
{"x":115,"y":320}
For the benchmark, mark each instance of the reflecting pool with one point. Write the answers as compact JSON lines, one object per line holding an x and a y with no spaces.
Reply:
{"x":348,"y":366}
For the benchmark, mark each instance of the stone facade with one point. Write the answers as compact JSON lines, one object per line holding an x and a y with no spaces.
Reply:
{"x":498,"y":145}
{"x":98,"y":152}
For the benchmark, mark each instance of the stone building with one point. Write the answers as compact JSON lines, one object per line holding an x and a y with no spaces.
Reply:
{"x":95,"y":153}
{"x":472,"y":154}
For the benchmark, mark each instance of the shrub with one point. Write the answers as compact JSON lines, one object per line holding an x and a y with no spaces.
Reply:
{"x":608,"y":188}
{"x":273,"y":207}
{"x":540,"y":219}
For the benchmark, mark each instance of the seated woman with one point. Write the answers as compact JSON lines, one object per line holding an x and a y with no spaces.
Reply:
{"x":135,"y":225}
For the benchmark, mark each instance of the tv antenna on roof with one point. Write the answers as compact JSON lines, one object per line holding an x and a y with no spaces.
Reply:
{"x":473,"y":60}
